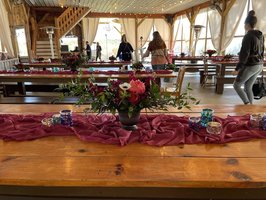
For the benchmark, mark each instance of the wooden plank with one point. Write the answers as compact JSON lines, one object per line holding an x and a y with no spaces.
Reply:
{"x":133,"y":171}
{"x":72,"y":146}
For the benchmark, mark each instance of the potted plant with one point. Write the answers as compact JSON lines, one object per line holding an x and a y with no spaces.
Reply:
{"x":137,"y":66}
{"x":74,"y":61}
{"x":112,"y":58}
{"x":126,"y":98}
{"x":210,"y":52}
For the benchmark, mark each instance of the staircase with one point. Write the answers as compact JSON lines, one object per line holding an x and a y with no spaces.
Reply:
{"x":43,"y":49}
{"x":68,"y":19}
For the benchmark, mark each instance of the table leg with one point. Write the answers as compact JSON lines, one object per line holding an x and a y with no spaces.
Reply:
{"x":21,"y":88}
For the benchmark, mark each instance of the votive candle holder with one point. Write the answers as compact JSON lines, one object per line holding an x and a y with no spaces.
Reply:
{"x":194,"y":123}
{"x":206,"y":116}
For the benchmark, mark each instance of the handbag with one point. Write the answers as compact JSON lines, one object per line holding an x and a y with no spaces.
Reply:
{"x":258,"y":88}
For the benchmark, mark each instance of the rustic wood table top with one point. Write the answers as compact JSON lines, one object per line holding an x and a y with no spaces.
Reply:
{"x":67,"y":161}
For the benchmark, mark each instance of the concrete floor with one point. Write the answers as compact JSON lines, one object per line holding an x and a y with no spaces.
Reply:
{"x":207,"y":94}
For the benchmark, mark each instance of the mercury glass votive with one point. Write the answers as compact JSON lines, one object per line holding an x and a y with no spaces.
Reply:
{"x":66,"y":117}
{"x":256,"y":121}
{"x":194,"y":123}
{"x":214,"y":128}
{"x":206,"y":116}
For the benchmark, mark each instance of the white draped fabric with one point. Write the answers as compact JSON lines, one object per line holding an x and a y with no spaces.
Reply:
{"x":144,"y":30}
{"x":90,"y":27}
{"x":5,"y":33}
{"x":129,"y":27}
{"x":231,"y":23}
{"x":215,"y":27}
{"x":258,"y":7}
{"x":164,"y":29}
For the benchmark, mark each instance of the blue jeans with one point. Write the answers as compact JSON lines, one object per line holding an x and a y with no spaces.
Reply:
{"x":247,"y":77}
{"x":158,"y":67}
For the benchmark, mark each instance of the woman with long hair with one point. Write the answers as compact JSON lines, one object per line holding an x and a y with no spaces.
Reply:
{"x":251,"y":58}
{"x":159,"y":55}
{"x":125,"y":49}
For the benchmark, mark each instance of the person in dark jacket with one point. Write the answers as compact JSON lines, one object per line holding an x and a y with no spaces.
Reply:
{"x":125,"y":49}
{"x":88,"y":50}
{"x":251,"y":58}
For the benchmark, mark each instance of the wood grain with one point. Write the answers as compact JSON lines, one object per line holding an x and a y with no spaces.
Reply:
{"x":67,"y":161}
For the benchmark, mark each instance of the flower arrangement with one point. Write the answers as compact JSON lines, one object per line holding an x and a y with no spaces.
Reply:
{"x":170,"y":66}
{"x":73,"y":61}
{"x":112,"y":58}
{"x":228,"y":57}
{"x":130,"y":97}
{"x":210,"y":52}
{"x":138,"y":66}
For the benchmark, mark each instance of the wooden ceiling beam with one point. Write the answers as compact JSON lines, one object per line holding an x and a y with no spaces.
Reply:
{"x":197,"y":7}
{"x":124,"y":15}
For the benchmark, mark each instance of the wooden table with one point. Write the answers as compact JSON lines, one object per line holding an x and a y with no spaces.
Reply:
{"x":222,"y":79}
{"x":86,"y":65}
{"x":21,"y":78}
{"x":67,"y":167}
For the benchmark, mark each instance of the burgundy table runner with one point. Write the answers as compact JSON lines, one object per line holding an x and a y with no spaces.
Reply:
{"x":68,"y":72}
{"x":158,"y":130}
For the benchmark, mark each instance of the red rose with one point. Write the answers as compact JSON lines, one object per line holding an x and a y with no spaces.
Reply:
{"x":137,"y":87}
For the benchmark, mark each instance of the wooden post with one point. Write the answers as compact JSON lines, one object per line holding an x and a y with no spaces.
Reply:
{"x":191,"y":15}
{"x":136,"y":39}
{"x":225,"y":10}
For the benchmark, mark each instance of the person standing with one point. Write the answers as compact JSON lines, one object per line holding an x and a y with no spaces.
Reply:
{"x":251,"y":58}
{"x":159,"y":55}
{"x":88,"y":50}
{"x":125,"y":49}
{"x":98,"y":51}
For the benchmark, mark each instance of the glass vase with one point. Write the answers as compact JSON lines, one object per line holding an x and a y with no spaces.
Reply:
{"x":129,"y":123}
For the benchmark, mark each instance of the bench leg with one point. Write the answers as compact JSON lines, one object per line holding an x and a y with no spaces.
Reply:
{"x":21,"y":88}
{"x":219,"y":88}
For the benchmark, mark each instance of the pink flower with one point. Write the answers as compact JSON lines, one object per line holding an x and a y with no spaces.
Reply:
{"x":137,"y":87}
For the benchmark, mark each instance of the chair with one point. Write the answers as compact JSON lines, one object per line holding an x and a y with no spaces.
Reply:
{"x":3,"y":90}
{"x":175,"y":89}
{"x":208,"y":74}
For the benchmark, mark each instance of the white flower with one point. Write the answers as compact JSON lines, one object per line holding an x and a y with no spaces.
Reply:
{"x":125,"y":86}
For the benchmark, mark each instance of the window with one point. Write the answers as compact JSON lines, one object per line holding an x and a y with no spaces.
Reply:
{"x":182,"y":39}
{"x":21,"y":42}
{"x":109,"y":37}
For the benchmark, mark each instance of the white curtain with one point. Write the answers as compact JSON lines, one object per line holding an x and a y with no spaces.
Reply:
{"x":5,"y":34}
{"x":258,"y":7}
{"x":129,"y":28}
{"x":215,"y":27}
{"x":90,"y":27}
{"x":164,"y":29}
{"x":144,"y":30}
{"x":232,"y":21}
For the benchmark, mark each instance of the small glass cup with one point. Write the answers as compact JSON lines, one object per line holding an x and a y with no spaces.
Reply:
{"x":214,"y":128}
{"x":206,"y":116}
{"x":256,"y":121}
{"x":66,"y":117}
{"x":194,"y":123}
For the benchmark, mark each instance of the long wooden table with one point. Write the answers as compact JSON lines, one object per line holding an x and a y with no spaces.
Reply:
{"x":67,"y":167}
{"x":64,"y":78}
{"x":86,"y":65}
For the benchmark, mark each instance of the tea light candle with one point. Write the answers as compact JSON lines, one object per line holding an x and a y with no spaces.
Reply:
{"x":214,"y":128}
{"x":194,"y":123}
{"x":66,"y":117}
{"x":206,"y":116}
{"x":256,"y":120}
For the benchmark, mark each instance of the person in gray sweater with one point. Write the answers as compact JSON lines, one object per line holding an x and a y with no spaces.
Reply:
{"x":251,"y":58}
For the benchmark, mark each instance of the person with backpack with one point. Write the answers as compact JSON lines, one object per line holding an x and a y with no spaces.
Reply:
{"x":251,"y":59}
